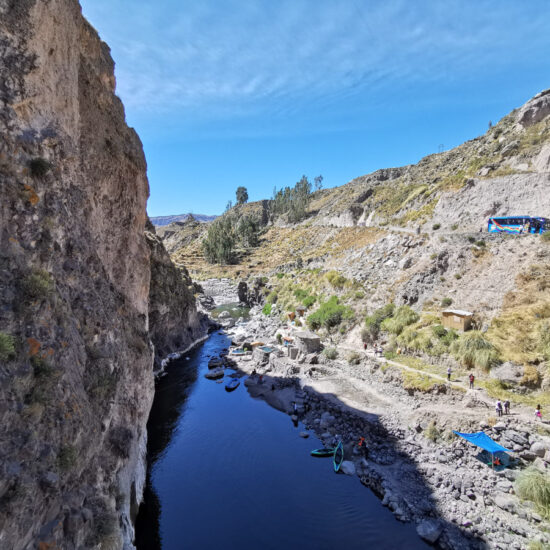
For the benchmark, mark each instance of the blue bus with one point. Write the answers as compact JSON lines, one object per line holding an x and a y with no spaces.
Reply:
{"x":518,"y":224}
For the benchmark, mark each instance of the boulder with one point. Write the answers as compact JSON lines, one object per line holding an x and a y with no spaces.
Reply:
{"x":538,"y":448}
{"x":509,"y":373}
{"x":348,"y":468}
{"x":215,"y":374}
{"x":305,"y":435}
{"x":430,"y":530}
{"x":505,"y":502}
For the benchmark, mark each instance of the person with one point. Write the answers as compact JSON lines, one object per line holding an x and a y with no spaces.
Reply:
{"x":538,"y":413}
{"x":471,"y":378}
{"x":449,"y":373}
{"x":365,"y":346}
{"x":498,"y":408}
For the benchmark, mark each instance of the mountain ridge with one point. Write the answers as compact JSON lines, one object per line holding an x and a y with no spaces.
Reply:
{"x":161,"y":221}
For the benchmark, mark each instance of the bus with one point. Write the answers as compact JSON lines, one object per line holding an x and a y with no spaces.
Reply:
{"x":518,"y":224}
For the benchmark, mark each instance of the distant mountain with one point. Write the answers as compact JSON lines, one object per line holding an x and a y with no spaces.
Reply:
{"x":165,"y":220}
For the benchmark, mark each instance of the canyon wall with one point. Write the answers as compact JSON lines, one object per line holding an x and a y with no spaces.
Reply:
{"x":76,"y":361}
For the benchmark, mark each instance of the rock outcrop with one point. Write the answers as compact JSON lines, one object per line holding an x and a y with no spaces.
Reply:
{"x":175,"y":324}
{"x":76,"y":376}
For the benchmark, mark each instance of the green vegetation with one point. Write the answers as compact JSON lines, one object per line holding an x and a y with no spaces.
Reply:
{"x":279,"y":275}
{"x":432,"y":432}
{"x":330,"y":314}
{"x":308,"y":301}
{"x":446,"y":302}
{"x":337,"y":280}
{"x":436,"y":226}
{"x":279,"y":337}
{"x":402,"y":317}
{"x":7,"y":346}
{"x":272,"y":297}
{"x":473,"y":349}
{"x":66,"y":458}
{"x":266,"y":310}
{"x":291,"y":201}
{"x":37,"y":284}
{"x":354,"y":358}
{"x":545,"y":237}
{"x":330,"y":353}
{"x":225,"y":234}
{"x":373,"y":322}
{"x":242,"y":195}
{"x":534,"y":485}
{"x":39,"y":167}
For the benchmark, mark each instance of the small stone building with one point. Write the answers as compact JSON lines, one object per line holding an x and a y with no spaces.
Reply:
{"x":457,"y":319}
{"x":307,"y":342}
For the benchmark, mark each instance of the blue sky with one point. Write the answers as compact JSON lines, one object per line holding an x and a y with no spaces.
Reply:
{"x":259,"y":92}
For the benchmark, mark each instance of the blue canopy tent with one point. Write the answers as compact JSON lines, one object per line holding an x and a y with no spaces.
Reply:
{"x":481,"y":439}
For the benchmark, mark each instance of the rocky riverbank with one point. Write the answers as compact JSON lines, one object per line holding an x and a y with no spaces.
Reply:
{"x":413,"y":462}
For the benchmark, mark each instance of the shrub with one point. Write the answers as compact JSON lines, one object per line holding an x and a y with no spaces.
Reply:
{"x":266,"y":310}
{"x":458,"y":276}
{"x":481,"y":244}
{"x":7,"y":346}
{"x":300,"y":293}
{"x":436,"y":226}
{"x":432,"y":432}
{"x":544,"y":340}
{"x":534,"y":485}
{"x":472,"y":239}
{"x":308,"y":301}
{"x":531,"y":377}
{"x":330,"y":353}
{"x":330,"y":314}
{"x":545,"y":237}
{"x":373,"y":322}
{"x":272,"y":297}
{"x":279,"y":337}
{"x":37,"y":284}
{"x":446,"y":302}
{"x":439,"y":331}
{"x":337,"y":280}
{"x":39,"y":167}
{"x":354,"y":358}
{"x":454,"y":227}
{"x":433,"y":256}
{"x":472,"y":349}
{"x":359,"y":295}
{"x":402,"y":317}
{"x":66,"y":458}
{"x":279,"y":275}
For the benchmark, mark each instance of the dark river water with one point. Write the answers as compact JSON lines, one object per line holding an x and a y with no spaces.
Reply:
{"x":227,"y":471}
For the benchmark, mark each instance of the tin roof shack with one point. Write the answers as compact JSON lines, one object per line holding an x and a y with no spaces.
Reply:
{"x":457,"y":319}
{"x":307,"y":342}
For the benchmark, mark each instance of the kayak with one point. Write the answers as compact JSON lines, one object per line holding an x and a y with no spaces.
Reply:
{"x":232,"y":385}
{"x":338,"y":456}
{"x":322,"y":453}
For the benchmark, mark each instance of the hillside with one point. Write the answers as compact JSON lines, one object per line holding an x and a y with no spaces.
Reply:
{"x":417,"y":236}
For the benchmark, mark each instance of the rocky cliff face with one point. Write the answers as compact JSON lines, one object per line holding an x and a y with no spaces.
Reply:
{"x":175,"y":324}
{"x":76,"y":377}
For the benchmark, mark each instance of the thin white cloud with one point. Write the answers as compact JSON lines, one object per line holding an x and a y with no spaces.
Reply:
{"x":233,"y":56}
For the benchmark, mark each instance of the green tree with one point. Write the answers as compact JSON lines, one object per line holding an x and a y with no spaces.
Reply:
{"x":242,"y":195}
{"x":318,"y":182}
{"x":219,"y":244}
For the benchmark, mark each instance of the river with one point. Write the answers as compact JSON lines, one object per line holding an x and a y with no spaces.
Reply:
{"x":228,"y":471}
